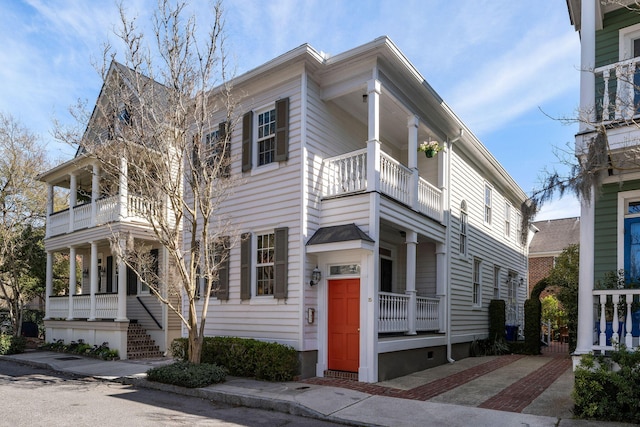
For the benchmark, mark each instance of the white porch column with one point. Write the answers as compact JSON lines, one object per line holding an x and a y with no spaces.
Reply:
{"x":441,"y":285}
{"x":95,"y":193}
{"x":412,"y":125}
{"x":94,"y":279}
{"x":73,"y":199}
{"x":412,"y":242}
{"x":72,"y":280}
{"x":587,"y":64}
{"x":48,"y":285}
{"x":49,"y":208}
{"x":122,"y":283}
{"x":373,"y":141}
{"x":585,"y":279}
{"x":123,"y":187}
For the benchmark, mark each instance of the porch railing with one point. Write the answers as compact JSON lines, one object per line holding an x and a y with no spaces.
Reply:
{"x":347,"y":173}
{"x":106,"y":306}
{"x":108,"y":210}
{"x":394,"y":313}
{"x":616,"y":319}
{"x":619,"y":89}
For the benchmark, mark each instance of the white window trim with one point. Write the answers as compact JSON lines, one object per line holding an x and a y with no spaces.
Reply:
{"x":624,"y":197}
{"x":254,"y":266}
{"x":477,"y":305}
{"x":496,"y":281}
{"x":625,"y":38}
{"x":487,"y":186}
{"x":259,"y":169}
{"x":507,"y":220}
{"x":463,"y":255}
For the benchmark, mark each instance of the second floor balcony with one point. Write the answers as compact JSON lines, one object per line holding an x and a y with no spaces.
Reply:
{"x":134,"y":209}
{"x":350,"y":173}
{"x":617,"y":95}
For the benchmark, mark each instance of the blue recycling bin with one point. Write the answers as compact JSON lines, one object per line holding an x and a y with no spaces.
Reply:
{"x":511,"y":332}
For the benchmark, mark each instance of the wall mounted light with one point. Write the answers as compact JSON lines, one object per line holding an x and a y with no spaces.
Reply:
{"x":85,"y":272}
{"x":365,"y":97}
{"x":316,"y":275}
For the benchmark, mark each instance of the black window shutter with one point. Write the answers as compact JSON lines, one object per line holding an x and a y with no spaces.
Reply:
{"x":155,"y":266}
{"x":222,"y":291}
{"x":225,"y":147}
{"x":245,"y":267}
{"x":247,"y":140}
{"x":282,"y":130}
{"x":281,"y":261}
{"x":132,"y":282}
{"x":109,"y":274}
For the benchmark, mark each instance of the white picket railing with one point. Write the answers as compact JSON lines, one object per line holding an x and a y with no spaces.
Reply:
{"x":106,"y":306}
{"x":619,"y":90}
{"x":395,"y":179}
{"x":394,"y":313}
{"x":82,"y":216}
{"x":347,"y":174}
{"x":427,"y":313}
{"x":615,"y":318}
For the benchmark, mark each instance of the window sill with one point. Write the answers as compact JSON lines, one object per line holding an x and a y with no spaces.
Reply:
{"x":263,"y":300}
{"x":266,"y":168}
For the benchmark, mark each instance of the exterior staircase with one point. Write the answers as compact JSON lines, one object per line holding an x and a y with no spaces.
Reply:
{"x":139,"y":344}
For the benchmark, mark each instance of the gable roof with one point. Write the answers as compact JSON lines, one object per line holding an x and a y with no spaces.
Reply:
{"x":554,"y":235}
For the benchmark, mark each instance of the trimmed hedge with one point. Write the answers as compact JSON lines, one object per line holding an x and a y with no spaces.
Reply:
{"x":603,"y":393}
{"x":187,"y":374}
{"x":10,"y":344}
{"x":497,"y":319}
{"x":244,"y":357}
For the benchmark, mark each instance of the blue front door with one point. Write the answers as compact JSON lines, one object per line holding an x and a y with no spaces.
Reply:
{"x":632,"y":250}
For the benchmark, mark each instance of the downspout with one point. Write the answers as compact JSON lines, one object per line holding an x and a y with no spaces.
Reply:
{"x":448,"y":252}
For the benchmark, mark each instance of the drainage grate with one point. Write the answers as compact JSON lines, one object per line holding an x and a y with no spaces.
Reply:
{"x":68,"y":358}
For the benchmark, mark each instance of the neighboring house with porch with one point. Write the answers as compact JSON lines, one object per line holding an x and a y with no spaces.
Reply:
{"x":550,"y":238}
{"x":107,"y":302}
{"x":610,"y":223}
{"x":369,"y":257}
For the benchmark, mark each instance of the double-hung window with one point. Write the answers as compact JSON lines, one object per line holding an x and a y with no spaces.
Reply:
{"x":265,"y":264}
{"x":264,"y":261}
{"x":507,"y":220}
{"x":266,"y":140}
{"x":488,"y":194}
{"x":265,"y":136}
{"x":477,"y":282}
{"x":464,"y":221}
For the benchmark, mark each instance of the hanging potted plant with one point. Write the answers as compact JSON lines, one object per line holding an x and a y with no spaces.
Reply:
{"x":430,"y":148}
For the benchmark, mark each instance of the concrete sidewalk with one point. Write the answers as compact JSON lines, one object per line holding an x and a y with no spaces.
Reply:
{"x":346,"y":405}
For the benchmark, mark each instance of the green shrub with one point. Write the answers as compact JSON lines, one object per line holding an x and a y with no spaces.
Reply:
{"x":10,"y":344}
{"x":532,"y":317}
{"x":245,"y":357}
{"x":603,"y":393}
{"x":101,"y":351}
{"x":187,"y":374}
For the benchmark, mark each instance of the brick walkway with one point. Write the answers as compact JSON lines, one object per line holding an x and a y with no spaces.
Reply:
{"x":514,"y":398}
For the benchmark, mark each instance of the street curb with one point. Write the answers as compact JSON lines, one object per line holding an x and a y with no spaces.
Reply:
{"x":239,"y":399}
{"x":236,"y":399}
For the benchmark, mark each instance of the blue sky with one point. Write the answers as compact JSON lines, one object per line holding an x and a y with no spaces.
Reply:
{"x":507,"y":68}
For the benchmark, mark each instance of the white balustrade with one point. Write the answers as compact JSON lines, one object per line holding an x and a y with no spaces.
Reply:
{"x":618,"y":79}
{"x":106,"y":306}
{"x":430,"y":200}
{"x":82,"y":216}
{"x":395,"y":179}
{"x":81,"y":306}
{"x":58,"y":223}
{"x":348,"y":174}
{"x":108,"y":210}
{"x":58,"y":307}
{"x":393,"y":312}
{"x":615,"y":318}
{"x":427,"y":314}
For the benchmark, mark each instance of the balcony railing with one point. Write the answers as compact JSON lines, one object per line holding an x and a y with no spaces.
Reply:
{"x":620,"y":90}
{"x":394,"y":313}
{"x":106,"y":306}
{"x":347,"y":174}
{"x":108,"y":210}
{"x":617,"y":321}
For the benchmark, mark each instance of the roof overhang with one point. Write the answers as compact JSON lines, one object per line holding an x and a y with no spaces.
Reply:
{"x":339,"y":238}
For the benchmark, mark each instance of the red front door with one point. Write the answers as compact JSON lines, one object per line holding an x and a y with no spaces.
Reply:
{"x":344,"y":325}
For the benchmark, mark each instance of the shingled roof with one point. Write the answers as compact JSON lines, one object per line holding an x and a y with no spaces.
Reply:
{"x":554,"y":235}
